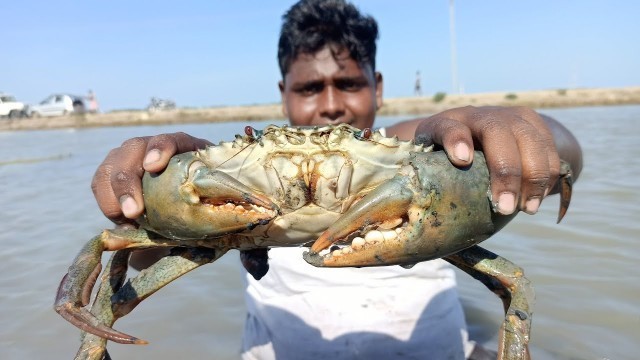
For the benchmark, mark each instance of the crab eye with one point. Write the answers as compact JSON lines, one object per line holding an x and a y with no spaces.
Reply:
{"x":363,"y":134}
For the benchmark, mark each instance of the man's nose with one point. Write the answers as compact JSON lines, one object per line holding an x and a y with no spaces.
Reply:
{"x":332,"y":105}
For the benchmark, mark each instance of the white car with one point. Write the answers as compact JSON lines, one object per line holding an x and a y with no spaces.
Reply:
{"x":56,"y":105}
{"x":10,"y":107}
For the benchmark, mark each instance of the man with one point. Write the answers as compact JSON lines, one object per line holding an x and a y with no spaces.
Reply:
{"x":326,"y":55}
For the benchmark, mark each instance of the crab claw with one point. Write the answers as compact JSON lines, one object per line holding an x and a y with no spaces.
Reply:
{"x":566,"y":188}
{"x":429,"y":210}
{"x":387,"y":204}
{"x":205,"y":201}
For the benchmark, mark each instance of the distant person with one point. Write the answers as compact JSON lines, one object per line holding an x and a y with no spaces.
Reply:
{"x":327,"y":59}
{"x":417,"y":89}
{"x":93,"y":102}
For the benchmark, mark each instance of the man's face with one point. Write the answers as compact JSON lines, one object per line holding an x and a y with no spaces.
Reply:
{"x":329,"y":89}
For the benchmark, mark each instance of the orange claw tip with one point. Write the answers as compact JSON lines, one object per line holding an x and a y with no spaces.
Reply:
{"x":320,"y":244}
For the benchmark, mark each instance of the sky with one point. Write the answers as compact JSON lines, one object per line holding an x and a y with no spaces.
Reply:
{"x":217,"y":53}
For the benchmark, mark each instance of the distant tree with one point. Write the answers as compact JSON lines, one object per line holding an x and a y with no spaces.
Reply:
{"x":439,"y":96}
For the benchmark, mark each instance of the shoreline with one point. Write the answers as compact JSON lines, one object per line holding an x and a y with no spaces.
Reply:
{"x":419,"y":106}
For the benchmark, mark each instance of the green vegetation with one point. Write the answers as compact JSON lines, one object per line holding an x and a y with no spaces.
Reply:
{"x":439,"y":96}
{"x":562,"y":92}
{"x":511,"y":96}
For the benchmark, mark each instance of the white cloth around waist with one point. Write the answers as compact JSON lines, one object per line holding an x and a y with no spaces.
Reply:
{"x":298,"y":311}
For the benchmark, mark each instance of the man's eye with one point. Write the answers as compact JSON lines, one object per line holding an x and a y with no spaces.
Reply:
{"x":350,"y":85}
{"x":310,"y":89}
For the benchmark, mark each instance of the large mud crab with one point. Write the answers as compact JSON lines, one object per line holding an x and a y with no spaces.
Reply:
{"x":372,"y":200}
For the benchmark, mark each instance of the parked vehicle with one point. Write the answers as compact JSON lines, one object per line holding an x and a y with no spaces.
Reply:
{"x":56,"y":105}
{"x":10,"y":107}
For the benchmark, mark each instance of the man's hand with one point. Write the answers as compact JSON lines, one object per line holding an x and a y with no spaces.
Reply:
{"x":517,"y":142}
{"x":117,"y":183}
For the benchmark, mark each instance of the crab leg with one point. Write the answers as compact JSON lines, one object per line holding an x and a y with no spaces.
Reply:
{"x":114,"y":302}
{"x":93,"y":347}
{"x":164,"y":271}
{"x":75,"y":288}
{"x":506,"y":280}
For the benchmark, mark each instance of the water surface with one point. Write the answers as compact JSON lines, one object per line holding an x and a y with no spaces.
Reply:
{"x":584,"y":270}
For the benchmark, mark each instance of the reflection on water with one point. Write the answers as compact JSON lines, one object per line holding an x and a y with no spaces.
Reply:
{"x":21,"y":160}
{"x":584,"y":270}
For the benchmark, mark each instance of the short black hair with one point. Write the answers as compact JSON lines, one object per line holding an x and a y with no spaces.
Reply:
{"x":310,"y":25}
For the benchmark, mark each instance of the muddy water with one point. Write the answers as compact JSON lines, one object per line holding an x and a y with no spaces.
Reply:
{"x":585,"y":270}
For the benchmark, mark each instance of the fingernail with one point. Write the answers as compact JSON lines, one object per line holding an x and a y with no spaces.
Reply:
{"x":152,"y":156}
{"x":506,"y":203}
{"x":532,"y":205}
{"x":129,"y":206}
{"x":461,"y":151}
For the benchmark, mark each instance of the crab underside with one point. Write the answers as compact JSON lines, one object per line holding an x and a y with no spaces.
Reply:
{"x":355,"y":198}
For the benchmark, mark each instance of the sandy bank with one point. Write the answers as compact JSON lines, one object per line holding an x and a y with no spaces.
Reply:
{"x":399,"y":106}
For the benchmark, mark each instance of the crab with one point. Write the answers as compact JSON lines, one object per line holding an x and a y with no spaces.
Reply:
{"x":354,"y":197}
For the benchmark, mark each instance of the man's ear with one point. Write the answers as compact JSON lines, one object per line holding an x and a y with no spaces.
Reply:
{"x":283,"y":98}
{"x":379,"y":87}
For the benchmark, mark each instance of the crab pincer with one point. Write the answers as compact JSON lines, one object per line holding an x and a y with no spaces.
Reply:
{"x":420,"y":214}
{"x":205,"y":203}
{"x":566,"y":188}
